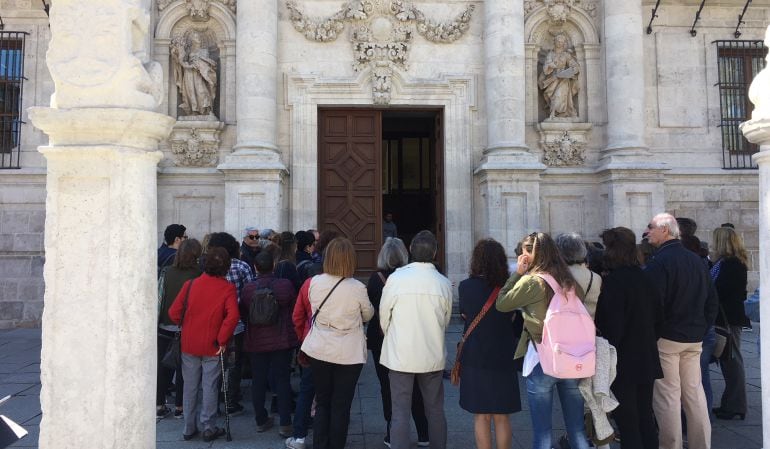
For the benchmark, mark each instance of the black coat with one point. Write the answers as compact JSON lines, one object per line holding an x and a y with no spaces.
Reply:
{"x":690,"y":301}
{"x":731,"y":289}
{"x":629,"y":316}
{"x":374,"y":335}
{"x":492,"y":344}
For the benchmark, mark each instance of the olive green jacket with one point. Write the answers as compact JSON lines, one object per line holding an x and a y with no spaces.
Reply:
{"x":532,"y":295}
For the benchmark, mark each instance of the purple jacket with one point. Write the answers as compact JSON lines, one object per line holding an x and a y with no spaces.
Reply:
{"x":271,"y":338}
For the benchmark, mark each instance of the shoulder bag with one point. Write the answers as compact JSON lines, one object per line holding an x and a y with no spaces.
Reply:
{"x":302,"y":358}
{"x":173,"y":355}
{"x":457,"y":368}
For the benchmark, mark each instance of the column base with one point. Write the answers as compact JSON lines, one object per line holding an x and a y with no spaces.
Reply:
{"x":509,"y":158}
{"x":634,"y":193}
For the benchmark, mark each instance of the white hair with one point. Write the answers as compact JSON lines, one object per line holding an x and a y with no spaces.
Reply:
{"x":666,"y":220}
{"x":249,"y":229}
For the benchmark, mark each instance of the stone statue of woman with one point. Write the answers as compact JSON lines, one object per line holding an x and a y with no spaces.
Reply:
{"x":559,"y":79}
{"x":195,"y":74}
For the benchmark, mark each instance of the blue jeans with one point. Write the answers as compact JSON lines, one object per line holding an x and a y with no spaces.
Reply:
{"x":540,"y":395}
{"x":709,"y":341}
{"x":304,"y":403}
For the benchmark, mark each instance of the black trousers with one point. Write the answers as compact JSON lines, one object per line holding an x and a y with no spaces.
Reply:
{"x":235,"y":373}
{"x":418,"y":408}
{"x":335,"y":386}
{"x":165,"y":375}
{"x":634,"y":415}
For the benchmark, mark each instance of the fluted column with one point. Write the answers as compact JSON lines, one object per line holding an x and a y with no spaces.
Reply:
{"x":98,"y":356}
{"x":254,"y":172}
{"x":624,"y":52}
{"x":757,"y":130}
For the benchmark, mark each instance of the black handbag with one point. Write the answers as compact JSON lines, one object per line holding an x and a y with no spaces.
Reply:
{"x":173,"y":355}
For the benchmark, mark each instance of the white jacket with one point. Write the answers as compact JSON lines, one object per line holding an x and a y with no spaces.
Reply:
{"x":415,"y":309}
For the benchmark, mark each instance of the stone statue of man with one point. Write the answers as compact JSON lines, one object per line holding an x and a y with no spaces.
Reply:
{"x":195,"y":74}
{"x":559,"y":79}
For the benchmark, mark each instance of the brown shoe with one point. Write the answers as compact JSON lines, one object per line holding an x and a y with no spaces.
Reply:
{"x":264,"y":427}
{"x":286,"y":431}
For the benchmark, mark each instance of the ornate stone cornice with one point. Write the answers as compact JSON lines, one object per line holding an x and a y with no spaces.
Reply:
{"x":381,"y":35}
{"x":199,"y":9}
{"x":559,"y":10}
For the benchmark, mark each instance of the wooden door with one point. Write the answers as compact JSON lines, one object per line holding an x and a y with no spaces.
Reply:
{"x":438,"y":130}
{"x":350,"y":197}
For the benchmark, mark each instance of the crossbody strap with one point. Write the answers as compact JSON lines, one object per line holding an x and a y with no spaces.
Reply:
{"x":184,"y":304}
{"x":312,"y":320}
{"x":590,"y":283}
{"x":475,"y":322}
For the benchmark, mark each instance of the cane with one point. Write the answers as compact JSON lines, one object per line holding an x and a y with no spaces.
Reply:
{"x":225,"y":387}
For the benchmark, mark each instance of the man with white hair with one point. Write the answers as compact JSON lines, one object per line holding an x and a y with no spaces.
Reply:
{"x":250,"y":247}
{"x":690,"y":308}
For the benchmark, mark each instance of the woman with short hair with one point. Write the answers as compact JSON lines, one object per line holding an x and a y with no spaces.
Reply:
{"x":729,"y":274}
{"x":573,"y":249}
{"x":488,"y":386}
{"x":207,"y":310}
{"x":392,"y":256}
{"x":527,"y":291}
{"x":629,"y":316}
{"x":335,"y":342}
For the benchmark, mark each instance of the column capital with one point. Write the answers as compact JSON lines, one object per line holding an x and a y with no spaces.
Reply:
{"x":123,"y":127}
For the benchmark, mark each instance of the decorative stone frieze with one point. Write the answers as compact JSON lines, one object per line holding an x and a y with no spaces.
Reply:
{"x":563,"y":143}
{"x":195,"y":142}
{"x":199,"y":9}
{"x":559,"y":10}
{"x":381,"y":35}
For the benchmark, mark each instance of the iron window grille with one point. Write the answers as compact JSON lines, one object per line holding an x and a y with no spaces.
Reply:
{"x":11,"y":94}
{"x":738,"y":62}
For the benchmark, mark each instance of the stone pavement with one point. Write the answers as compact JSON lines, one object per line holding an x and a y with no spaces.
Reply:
{"x":20,"y":377}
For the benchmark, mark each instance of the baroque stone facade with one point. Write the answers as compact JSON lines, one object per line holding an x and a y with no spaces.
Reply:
{"x":639,"y":132}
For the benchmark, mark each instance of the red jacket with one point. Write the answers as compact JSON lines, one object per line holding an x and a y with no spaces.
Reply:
{"x":210,"y":317}
{"x":280,"y":335}
{"x":302,"y":312}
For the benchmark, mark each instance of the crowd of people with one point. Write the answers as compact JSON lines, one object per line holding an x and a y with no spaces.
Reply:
{"x":275,"y":302}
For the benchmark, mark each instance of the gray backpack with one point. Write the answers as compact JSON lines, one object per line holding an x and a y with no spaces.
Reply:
{"x":264,"y":309}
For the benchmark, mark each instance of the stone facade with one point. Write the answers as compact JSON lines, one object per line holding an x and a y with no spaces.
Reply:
{"x":640,"y":141}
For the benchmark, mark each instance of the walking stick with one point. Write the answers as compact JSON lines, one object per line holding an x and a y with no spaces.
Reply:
{"x":225,"y":387}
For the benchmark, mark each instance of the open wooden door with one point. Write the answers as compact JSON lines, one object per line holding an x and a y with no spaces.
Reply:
{"x":349,"y":174}
{"x":438,"y":131}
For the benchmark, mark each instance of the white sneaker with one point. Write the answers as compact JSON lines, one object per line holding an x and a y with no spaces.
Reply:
{"x":423,"y":443}
{"x":294,"y":443}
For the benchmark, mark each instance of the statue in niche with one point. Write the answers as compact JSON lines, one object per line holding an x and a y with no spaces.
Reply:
{"x":195,"y":74}
{"x":559,"y":79}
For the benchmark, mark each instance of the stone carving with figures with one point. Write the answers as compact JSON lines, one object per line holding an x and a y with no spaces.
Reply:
{"x":559,"y":10}
{"x":195,"y":74}
{"x":564,"y":152}
{"x":199,"y":9}
{"x":381,"y":35}
{"x":559,"y":79}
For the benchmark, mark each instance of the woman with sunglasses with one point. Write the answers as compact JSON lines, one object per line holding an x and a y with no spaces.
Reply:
{"x":528,"y":292}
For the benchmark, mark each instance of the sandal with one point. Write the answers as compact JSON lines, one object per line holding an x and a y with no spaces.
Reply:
{"x":213,"y":434}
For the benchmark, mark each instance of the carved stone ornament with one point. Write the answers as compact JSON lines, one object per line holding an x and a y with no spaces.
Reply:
{"x":199,"y":9}
{"x":381,"y":35}
{"x":563,"y":144}
{"x":195,"y":143}
{"x":559,"y":10}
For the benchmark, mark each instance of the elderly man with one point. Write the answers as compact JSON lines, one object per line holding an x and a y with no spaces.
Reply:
{"x":250,"y":247}
{"x":415,"y":309}
{"x":690,"y":307}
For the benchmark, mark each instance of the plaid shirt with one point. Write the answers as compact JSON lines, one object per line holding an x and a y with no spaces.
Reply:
{"x":239,"y":275}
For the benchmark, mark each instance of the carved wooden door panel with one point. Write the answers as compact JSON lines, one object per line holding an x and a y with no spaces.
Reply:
{"x":349,"y":173}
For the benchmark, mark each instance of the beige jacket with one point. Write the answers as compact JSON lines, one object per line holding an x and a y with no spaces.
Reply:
{"x":582,"y":275}
{"x":415,"y":309}
{"x":338,"y":333}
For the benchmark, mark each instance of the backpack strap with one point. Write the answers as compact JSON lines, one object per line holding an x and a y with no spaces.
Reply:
{"x":550,"y":281}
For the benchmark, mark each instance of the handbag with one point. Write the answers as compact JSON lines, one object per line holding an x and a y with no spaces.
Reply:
{"x":173,"y":355}
{"x":724,"y":339}
{"x":302,"y":358}
{"x":454,"y":376}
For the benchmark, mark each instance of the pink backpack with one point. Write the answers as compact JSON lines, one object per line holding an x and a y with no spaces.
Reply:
{"x":568,"y":349}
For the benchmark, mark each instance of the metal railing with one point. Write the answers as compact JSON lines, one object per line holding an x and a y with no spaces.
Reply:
{"x":738,"y":64}
{"x":11,"y":94}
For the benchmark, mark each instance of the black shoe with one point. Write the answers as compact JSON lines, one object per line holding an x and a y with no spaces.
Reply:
{"x":724,"y":414}
{"x":190,"y":436}
{"x":234,"y":409}
{"x":162,"y":412}
{"x":213,"y":434}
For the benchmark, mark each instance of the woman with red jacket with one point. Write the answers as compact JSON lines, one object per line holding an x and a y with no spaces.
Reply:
{"x":207,"y":310}
{"x":269,"y":347}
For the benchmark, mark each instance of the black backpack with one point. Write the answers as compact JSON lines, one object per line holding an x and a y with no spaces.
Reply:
{"x":264,"y":309}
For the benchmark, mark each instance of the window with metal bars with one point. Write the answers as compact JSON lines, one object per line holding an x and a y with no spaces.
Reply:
{"x":11,"y":91}
{"x":738,"y":63}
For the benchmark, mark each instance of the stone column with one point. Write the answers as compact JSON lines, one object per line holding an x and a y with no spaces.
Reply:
{"x":757,"y":130}
{"x":509,"y":174}
{"x":98,"y":358}
{"x":254,"y":172}
{"x":624,"y":55}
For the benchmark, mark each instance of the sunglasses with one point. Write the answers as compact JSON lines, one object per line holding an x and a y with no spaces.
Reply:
{"x":253,"y":237}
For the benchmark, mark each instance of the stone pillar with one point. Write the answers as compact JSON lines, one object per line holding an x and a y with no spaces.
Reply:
{"x":98,"y":358}
{"x":624,"y":55}
{"x":254,"y":172}
{"x":509,"y":174}
{"x":757,"y":130}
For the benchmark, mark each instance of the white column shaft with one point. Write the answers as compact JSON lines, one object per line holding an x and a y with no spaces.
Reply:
{"x":624,"y":46}
{"x":504,"y":74}
{"x":256,"y":74}
{"x":763,"y":160}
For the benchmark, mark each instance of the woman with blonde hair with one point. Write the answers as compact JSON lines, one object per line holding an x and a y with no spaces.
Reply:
{"x":729,"y":274}
{"x":335,"y":342}
{"x":526,"y":291}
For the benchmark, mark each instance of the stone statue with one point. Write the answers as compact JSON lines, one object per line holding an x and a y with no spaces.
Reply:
{"x":559,"y":79}
{"x":195,"y":74}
